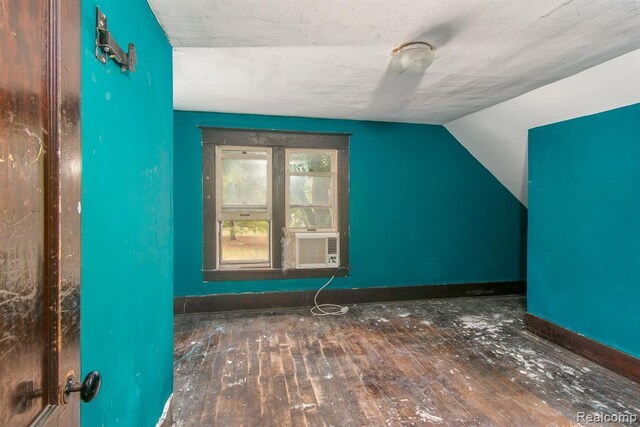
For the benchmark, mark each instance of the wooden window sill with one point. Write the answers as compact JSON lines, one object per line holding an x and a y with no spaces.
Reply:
{"x":272,"y":274}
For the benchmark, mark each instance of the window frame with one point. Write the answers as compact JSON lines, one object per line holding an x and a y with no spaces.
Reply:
{"x":278,"y":142}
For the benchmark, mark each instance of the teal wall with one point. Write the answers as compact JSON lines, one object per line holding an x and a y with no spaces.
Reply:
{"x":584,"y":226}
{"x":127,"y":231}
{"x":423,"y":210}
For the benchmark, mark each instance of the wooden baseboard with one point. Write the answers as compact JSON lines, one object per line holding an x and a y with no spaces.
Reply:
{"x":612,"y":359}
{"x":258,"y":301}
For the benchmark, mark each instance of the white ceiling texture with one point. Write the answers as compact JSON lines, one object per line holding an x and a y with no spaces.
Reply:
{"x":329,"y":59}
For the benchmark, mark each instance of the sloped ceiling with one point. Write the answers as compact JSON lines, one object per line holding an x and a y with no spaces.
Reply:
{"x":497,"y":136}
{"x":329,"y":58}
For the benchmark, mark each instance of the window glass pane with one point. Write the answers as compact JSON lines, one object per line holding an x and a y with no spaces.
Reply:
{"x":244,"y":242}
{"x":310,"y":190}
{"x":310,"y":218}
{"x":309,"y":162}
{"x":244,"y":182}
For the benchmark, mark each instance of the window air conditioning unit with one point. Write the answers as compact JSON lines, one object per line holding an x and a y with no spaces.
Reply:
{"x":317,"y":250}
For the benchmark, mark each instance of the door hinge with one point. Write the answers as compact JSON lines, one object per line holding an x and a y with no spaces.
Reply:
{"x":107,"y":47}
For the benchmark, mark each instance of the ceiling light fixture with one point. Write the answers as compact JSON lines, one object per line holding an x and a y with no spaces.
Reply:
{"x":412,"y":57}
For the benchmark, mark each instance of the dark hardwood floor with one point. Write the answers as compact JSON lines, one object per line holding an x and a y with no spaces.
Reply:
{"x":463,"y":361}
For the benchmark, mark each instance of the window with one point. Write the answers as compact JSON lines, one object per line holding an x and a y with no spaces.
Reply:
{"x":311,"y":189}
{"x":243,"y":198}
{"x":267,"y":191}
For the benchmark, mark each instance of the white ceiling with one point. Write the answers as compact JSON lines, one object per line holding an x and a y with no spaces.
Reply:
{"x":329,"y":58}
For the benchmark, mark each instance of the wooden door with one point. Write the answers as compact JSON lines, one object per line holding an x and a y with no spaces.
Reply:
{"x":40,"y":167}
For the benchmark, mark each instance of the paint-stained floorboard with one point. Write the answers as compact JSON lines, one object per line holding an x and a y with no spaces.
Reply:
{"x":464,"y":361}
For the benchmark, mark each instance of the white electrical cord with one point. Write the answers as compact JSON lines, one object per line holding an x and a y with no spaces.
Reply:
{"x":334,"y":309}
